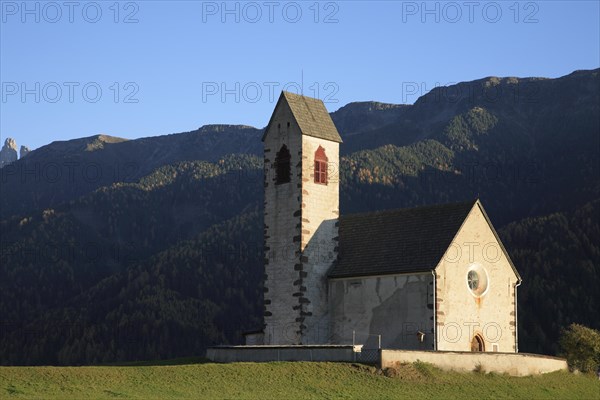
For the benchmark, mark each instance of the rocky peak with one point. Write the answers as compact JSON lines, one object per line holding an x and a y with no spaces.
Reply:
{"x":23,"y":151}
{"x":10,"y":143}
{"x":8,"y":153}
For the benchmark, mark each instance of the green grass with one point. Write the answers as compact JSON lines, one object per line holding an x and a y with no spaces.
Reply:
{"x":283,"y":380}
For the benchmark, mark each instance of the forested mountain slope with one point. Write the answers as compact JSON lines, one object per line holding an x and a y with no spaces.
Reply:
{"x":161,"y":254}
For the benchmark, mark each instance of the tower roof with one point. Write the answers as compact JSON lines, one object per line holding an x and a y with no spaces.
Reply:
{"x":310,"y":115}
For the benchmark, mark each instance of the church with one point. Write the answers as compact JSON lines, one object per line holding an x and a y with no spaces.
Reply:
{"x":427,"y":278}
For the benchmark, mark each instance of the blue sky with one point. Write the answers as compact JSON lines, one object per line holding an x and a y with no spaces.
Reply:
{"x":145,"y":68}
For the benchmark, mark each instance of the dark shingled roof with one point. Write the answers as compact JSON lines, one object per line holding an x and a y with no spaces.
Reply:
{"x":311,"y":115}
{"x":397,"y":241}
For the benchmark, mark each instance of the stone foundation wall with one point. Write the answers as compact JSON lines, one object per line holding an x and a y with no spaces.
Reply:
{"x":226,"y":354}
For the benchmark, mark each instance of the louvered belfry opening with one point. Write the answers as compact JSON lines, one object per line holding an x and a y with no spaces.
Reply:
{"x":282,"y":165}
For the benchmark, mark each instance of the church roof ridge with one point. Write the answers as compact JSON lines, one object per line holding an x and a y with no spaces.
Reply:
{"x":388,"y":211}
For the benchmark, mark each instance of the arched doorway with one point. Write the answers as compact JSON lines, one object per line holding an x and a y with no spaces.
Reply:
{"x":477,"y":344}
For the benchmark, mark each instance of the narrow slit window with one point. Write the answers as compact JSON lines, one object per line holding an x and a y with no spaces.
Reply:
{"x":282,"y":165}
{"x":320,"y":166}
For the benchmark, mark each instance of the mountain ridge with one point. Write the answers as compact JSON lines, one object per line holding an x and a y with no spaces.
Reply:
{"x":151,"y":262}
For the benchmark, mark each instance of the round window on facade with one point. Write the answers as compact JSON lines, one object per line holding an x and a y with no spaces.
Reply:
{"x":477,"y":280}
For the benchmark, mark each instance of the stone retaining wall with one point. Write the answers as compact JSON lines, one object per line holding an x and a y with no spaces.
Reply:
{"x":516,"y":364}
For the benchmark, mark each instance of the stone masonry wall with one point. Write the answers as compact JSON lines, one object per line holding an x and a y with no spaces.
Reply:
{"x":300,"y":236}
{"x":282,"y":233}
{"x":319,"y":245}
{"x":396,"y":307}
{"x":459,"y":314}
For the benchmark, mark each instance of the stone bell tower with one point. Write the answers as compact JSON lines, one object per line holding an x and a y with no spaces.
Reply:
{"x":301,"y":160}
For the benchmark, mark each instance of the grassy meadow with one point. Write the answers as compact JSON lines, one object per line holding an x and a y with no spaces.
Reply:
{"x":190,"y":378}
